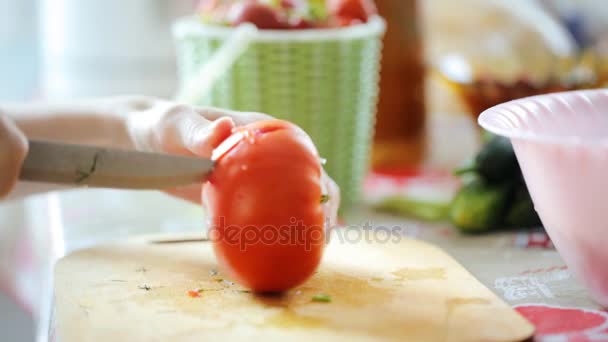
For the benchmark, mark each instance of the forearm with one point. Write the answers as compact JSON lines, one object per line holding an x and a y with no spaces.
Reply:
{"x":82,"y":123}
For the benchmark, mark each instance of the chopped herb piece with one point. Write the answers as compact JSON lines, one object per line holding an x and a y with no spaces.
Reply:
{"x":324,"y":199}
{"x":321,"y":298}
{"x":144,"y":287}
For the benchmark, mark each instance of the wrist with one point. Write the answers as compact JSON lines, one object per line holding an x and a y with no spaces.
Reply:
{"x":81,"y":123}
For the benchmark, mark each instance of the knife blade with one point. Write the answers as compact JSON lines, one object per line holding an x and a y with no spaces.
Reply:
{"x":94,"y":166}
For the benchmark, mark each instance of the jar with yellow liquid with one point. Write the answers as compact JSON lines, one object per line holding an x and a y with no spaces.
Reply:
{"x":399,"y":141}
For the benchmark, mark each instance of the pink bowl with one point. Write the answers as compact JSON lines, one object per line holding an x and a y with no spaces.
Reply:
{"x":561,"y":142}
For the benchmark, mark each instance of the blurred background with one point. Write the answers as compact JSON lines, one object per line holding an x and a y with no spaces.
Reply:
{"x":67,"y":49}
{"x":459,"y":58}
{"x":58,"y":50}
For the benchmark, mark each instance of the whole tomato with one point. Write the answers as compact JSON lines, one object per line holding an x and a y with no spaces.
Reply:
{"x":259,"y":14}
{"x":300,"y":24}
{"x":265,"y":202}
{"x":287,"y":4}
{"x":351,"y":9}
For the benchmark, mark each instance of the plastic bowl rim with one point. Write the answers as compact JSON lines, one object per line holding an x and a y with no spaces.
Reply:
{"x":486,"y":121}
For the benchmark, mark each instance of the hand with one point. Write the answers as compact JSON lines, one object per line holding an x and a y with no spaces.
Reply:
{"x":143,"y":123}
{"x":162,"y":126}
{"x":13,"y":149}
{"x":333,"y":205}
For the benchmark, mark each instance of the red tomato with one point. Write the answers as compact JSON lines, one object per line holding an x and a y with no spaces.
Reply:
{"x":287,"y":4}
{"x":352,"y":9}
{"x":264,"y":200}
{"x":300,"y":24}
{"x":262,"y":16}
{"x":345,"y":22}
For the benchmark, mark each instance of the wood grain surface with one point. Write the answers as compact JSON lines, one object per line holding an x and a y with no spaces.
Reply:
{"x":403,"y":290}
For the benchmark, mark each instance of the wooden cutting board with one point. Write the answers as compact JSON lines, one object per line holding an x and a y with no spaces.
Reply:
{"x":394,"y":291}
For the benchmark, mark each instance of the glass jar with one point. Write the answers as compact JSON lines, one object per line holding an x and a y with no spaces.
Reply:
{"x":508,"y":50}
{"x":400,"y":118}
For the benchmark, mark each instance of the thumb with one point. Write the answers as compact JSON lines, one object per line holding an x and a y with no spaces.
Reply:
{"x":13,"y":149}
{"x":201,"y":137}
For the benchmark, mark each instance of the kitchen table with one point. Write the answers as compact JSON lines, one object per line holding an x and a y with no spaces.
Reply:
{"x":522,"y":267}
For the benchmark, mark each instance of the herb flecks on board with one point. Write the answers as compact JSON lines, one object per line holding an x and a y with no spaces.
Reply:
{"x":144,"y":287}
{"x":321,"y":298}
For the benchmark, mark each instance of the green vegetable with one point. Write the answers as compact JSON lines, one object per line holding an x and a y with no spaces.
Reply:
{"x":322,"y":298}
{"x":272,"y":3}
{"x":486,"y":136}
{"x":468,"y":167}
{"x":494,"y":193}
{"x":317,"y":10}
{"x":496,"y":162}
{"x":421,"y":209}
{"x":479,"y":206}
{"x":522,"y":213}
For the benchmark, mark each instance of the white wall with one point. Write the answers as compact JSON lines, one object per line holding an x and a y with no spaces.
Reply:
{"x":18,"y":49}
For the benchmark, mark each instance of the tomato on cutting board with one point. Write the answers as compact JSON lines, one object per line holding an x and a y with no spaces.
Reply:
{"x":265,"y":201}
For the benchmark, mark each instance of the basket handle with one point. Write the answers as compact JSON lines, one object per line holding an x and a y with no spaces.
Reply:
{"x":208,"y":74}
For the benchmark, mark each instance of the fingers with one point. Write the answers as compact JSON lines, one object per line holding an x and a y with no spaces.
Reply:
{"x":330,"y":208}
{"x":239,"y":118}
{"x":162,"y":126}
{"x":157,"y":125}
{"x":191,"y":193}
{"x":204,"y":141}
{"x":177,"y":129}
{"x":190,"y":133}
{"x":13,"y":149}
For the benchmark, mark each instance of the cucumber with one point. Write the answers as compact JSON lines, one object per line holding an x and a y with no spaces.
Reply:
{"x":480,"y":206}
{"x":522,"y":213}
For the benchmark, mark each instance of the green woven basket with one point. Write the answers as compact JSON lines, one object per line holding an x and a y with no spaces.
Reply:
{"x":325,"y":81}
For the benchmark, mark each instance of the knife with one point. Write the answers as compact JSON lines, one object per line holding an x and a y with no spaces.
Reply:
{"x":94,"y":166}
